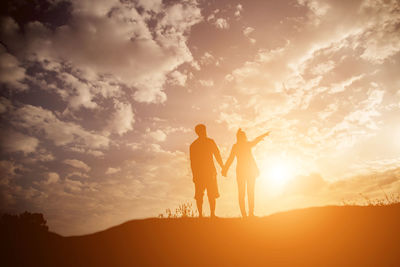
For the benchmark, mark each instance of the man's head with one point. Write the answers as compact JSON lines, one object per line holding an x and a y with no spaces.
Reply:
{"x":200,"y":130}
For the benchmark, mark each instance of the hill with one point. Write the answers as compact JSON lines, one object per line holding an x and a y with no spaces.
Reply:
{"x":321,"y":236}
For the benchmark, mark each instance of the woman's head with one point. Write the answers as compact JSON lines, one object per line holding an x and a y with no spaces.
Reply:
{"x":241,"y":136}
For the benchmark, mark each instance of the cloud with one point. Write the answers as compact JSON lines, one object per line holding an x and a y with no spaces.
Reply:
{"x":221,"y":24}
{"x":158,"y":135}
{"x":313,"y":79}
{"x":120,"y":198}
{"x":111,"y":39}
{"x":381,"y":39}
{"x":340,"y":87}
{"x":178,"y":78}
{"x":330,"y":109}
{"x":239,"y":9}
{"x":111,"y":170}
{"x":371,"y":184}
{"x":207,"y":59}
{"x":206,"y":83}
{"x":52,"y":177}
{"x":62,"y":133}
{"x":5,"y":105}
{"x":248,"y":30}
{"x":81,"y":96}
{"x":151,"y":5}
{"x":211,"y":17}
{"x":93,"y":152}
{"x":8,"y":171}
{"x":367,"y":110}
{"x":229,"y":77}
{"x":11,"y":72}
{"x":12,"y":141}
{"x":73,"y":186}
{"x":323,"y":67}
{"x":8,"y":168}
{"x":42,"y":155}
{"x":77,"y":164}
{"x":76,"y":175}
{"x":123,"y":118}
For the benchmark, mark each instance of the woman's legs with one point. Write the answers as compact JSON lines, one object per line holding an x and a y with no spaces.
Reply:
{"x":241,"y":192}
{"x":250,"y":195}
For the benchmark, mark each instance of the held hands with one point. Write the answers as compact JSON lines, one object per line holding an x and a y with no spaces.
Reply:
{"x":224,"y":171}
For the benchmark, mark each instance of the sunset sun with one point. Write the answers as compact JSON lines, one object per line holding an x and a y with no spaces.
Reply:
{"x":280,"y":174}
{"x":276,"y":174}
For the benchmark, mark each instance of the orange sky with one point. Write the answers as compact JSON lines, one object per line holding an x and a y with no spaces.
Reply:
{"x":99,"y":100}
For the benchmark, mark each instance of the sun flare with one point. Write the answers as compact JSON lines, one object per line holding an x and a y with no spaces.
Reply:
{"x":276,"y":174}
{"x":280,"y":174}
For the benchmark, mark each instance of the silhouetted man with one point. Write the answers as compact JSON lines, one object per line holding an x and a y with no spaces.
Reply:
{"x":202,"y":151}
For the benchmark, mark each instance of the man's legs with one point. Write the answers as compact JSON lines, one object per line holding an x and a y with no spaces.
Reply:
{"x":199,"y":203}
{"x":199,"y":192}
{"x":241,"y":192}
{"x":250,"y":195}
{"x":212,"y":193}
{"x":212,"y":207}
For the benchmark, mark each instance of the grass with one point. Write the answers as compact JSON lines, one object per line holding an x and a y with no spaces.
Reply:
{"x":385,"y":200}
{"x":184,"y":210}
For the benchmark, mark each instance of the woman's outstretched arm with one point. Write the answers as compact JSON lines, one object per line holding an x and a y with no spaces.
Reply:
{"x":229,"y":161}
{"x":259,"y":138}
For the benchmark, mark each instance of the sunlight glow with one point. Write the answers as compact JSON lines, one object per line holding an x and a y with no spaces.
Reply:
{"x":279,"y":174}
{"x":275,"y":174}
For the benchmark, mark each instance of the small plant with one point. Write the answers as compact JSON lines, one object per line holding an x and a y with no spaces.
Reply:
{"x":184,"y":210}
{"x":387,"y":199}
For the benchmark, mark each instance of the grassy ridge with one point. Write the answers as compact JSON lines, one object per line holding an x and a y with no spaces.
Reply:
{"x":323,"y":236}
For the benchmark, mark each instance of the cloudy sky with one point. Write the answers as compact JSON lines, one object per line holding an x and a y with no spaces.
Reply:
{"x":99,"y":99}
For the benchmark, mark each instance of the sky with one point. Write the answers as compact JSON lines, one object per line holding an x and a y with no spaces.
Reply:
{"x":99,"y":100}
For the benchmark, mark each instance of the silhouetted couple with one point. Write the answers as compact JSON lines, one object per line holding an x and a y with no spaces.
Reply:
{"x":202,"y":151}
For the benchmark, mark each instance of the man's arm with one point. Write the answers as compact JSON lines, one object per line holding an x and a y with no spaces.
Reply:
{"x":217,"y":154}
{"x":191,"y":161}
{"x":229,"y":161}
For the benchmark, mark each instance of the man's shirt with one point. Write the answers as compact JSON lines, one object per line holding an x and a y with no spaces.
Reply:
{"x":201,"y":158}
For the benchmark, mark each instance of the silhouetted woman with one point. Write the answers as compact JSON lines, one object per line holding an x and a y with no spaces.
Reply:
{"x":246,"y":169}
